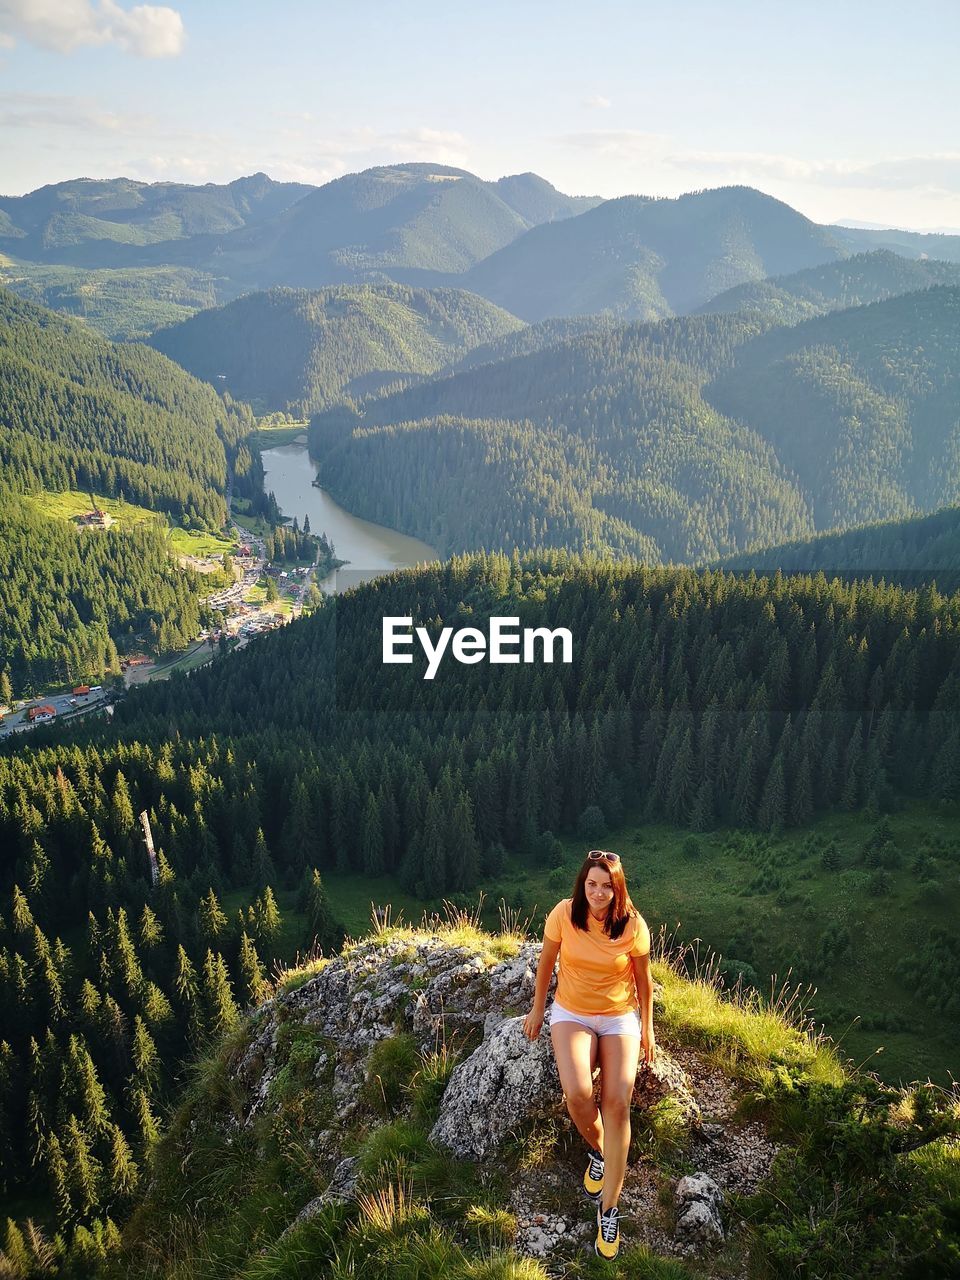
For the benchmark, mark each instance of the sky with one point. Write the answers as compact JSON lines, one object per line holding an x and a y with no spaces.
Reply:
{"x":848,"y":111}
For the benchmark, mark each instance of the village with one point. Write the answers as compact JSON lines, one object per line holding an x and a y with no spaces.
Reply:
{"x":262,"y":598}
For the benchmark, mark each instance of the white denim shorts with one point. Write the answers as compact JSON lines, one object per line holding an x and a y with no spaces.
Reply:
{"x":602,"y":1024}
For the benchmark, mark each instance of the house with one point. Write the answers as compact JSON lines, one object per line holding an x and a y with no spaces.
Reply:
{"x":80,"y":690}
{"x":94,"y":519}
{"x":37,"y":714}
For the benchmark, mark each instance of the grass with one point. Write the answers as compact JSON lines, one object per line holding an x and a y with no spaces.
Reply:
{"x":748,"y":1035}
{"x":222,"y":1200}
{"x":269,"y":435}
{"x":68,"y":503}
{"x":190,"y":542}
{"x":197,"y":655}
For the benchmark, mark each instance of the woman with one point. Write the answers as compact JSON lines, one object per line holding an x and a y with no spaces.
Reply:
{"x":604,"y":947}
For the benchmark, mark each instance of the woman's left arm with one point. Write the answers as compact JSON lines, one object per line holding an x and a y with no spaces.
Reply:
{"x":644,"y":980}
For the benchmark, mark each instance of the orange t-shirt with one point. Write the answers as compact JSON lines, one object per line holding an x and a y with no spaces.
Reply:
{"x":596,"y":972}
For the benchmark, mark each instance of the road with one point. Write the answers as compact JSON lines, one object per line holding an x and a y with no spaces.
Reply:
{"x":64,"y":704}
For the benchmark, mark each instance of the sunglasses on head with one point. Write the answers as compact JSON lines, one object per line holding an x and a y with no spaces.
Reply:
{"x":601,"y":855}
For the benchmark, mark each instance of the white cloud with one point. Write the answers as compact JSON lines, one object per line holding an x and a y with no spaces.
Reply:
{"x":58,"y":111}
{"x":146,"y":30}
{"x":921,"y":173}
{"x":597,"y":103}
{"x":939,"y":172}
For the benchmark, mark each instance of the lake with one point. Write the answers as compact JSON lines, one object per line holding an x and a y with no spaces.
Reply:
{"x":369,"y":549}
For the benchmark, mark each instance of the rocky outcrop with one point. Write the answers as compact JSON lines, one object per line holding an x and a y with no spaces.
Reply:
{"x":503,"y":1086}
{"x":509,"y":1082}
{"x":437,"y":992}
{"x":424,"y":986}
{"x":699,"y":1224}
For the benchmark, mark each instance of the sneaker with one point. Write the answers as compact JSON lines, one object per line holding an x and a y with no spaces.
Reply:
{"x":607,"y":1244}
{"x":593,"y":1176}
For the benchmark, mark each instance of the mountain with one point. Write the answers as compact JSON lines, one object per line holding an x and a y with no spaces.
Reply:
{"x":299,"y":351}
{"x":866,"y":277}
{"x":122,"y":303}
{"x":669,"y":439}
{"x":465,"y":1122}
{"x":923,"y":545}
{"x":80,"y":414}
{"x":529,"y":339}
{"x":414,"y":223}
{"x":603,"y":441}
{"x":642,"y":258}
{"x":943,"y":246}
{"x":538,"y":201}
{"x":862,"y":406}
{"x":73,"y":222}
{"x":301,"y":770}
{"x":125,"y":256}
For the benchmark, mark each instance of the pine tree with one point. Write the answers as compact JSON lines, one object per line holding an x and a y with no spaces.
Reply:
{"x":773,"y":803}
{"x":84,"y":1170}
{"x":58,"y":1171}
{"x":23,"y":920}
{"x":151,"y":930}
{"x":255,"y":984}
{"x":264,"y":871}
{"x":221,"y":1011}
{"x":213,"y":921}
{"x":146,"y":1062}
{"x":373,"y":859}
{"x":146,"y":1120}
{"x":124,"y":1173}
{"x":269,"y":920}
{"x":321,"y":926}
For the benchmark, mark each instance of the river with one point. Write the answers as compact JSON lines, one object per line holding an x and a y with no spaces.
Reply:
{"x":369,"y":549}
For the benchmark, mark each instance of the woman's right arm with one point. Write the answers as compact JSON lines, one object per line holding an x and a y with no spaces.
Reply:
{"x":548,"y":958}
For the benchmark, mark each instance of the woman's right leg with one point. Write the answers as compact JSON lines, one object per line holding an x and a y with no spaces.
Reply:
{"x":575,"y":1049}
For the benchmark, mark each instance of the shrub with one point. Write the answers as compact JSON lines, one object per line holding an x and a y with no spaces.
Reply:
{"x":390,"y":1068}
{"x":592,"y":825}
{"x":692,"y":848}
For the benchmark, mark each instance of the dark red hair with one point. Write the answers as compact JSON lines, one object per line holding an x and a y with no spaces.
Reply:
{"x":620,"y":910}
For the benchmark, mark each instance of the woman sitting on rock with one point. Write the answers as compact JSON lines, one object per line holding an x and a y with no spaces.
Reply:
{"x":603,"y":1011}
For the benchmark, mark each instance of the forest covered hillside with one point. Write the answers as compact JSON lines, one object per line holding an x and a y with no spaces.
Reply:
{"x":300,"y":351}
{"x":639,"y":258}
{"x":866,"y":277}
{"x":81,"y":414}
{"x":79,"y":221}
{"x":413,"y":223}
{"x":860,"y":405}
{"x":898,"y":549}
{"x":682,"y":441}
{"x":603,"y":442}
{"x":352,"y":1127}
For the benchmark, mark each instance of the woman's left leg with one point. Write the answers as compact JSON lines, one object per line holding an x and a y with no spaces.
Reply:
{"x":619,"y":1056}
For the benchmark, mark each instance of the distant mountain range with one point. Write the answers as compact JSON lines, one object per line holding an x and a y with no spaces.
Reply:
{"x":84,"y":220}
{"x":518,"y":242}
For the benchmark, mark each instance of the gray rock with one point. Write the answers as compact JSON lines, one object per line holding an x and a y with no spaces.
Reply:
{"x":343,"y":1184}
{"x":504,"y":1085}
{"x":698,"y":1201}
{"x":665,"y":1078}
{"x":539,"y":1235}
